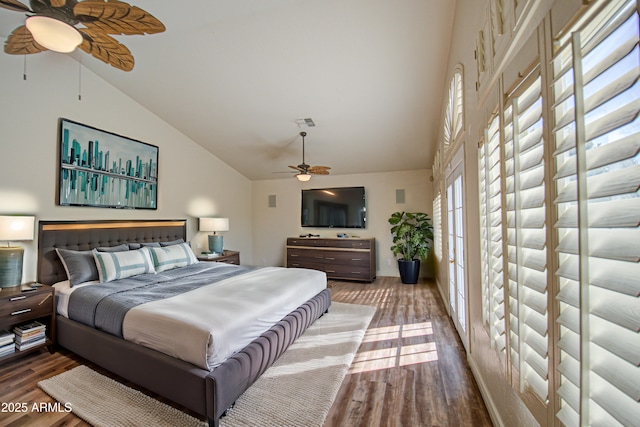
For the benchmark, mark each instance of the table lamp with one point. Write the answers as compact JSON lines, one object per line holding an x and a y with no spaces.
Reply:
{"x":13,"y":228}
{"x":216,"y":244}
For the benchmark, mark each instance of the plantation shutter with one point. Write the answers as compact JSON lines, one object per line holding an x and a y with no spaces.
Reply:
{"x":526,"y":236}
{"x":597,"y":141}
{"x":492,"y":234}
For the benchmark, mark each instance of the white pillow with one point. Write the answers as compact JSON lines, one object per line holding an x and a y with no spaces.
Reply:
{"x":118,"y":265}
{"x":168,"y":257}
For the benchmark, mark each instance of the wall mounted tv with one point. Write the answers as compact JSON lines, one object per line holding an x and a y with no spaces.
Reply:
{"x":334,"y":207}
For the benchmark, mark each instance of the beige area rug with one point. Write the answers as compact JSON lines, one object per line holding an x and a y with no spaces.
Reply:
{"x":298,"y":390}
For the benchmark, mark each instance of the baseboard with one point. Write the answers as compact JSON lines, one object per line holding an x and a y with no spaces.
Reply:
{"x":486,"y":396}
{"x":445,"y":299}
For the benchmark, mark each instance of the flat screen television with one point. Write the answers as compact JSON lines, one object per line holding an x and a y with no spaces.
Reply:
{"x":342,"y":207}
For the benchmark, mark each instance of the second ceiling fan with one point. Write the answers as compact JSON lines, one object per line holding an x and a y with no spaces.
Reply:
{"x":304,"y":170}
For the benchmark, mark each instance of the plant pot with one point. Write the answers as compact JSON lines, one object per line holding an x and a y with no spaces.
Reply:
{"x":409,"y":271}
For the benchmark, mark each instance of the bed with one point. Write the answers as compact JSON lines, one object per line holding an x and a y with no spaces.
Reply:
{"x":206,"y":384}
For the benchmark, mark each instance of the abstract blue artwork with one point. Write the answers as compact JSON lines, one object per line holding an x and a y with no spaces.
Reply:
{"x":102,"y":169}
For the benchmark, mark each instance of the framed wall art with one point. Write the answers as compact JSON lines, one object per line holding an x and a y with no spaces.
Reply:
{"x":102,"y":169}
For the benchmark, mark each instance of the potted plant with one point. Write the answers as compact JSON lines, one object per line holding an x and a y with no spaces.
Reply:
{"x":412,"y":238}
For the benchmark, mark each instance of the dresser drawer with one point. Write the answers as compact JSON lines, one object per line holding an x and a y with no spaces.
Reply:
{"x":303,"y":255}
{"x":359,"y":259}
{"x":347,"y":272}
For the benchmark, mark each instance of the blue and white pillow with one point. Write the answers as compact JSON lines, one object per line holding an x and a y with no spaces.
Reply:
{"x":168,"y":257}
{"x":119,"y":265}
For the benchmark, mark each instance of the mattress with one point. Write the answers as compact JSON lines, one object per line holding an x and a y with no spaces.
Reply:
{"x":207,"y":324}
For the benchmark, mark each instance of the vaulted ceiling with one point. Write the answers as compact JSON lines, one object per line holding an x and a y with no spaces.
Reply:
{"x":236,"y":76}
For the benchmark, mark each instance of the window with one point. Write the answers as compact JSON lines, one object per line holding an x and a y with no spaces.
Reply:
{"x":491,"y":235}
{"x":526,"y":237}
{"x":453,"y":119}
{"x":597,"y":141}
{"x":437,"y":228}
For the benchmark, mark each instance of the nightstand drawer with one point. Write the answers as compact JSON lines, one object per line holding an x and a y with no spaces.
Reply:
{"x":22,"y":307}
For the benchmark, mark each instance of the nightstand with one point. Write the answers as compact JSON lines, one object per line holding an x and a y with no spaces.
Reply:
{"x":25,"y":304}
{"x":229,"y":257}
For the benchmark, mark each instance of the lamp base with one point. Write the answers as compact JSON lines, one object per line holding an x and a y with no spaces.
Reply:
{"x":216,"y":243}
{"x":11,"y":266}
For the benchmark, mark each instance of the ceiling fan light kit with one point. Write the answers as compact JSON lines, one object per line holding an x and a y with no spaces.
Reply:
{"x":52,"y":25}
{"x":304,"y":170}
{"x":53,"y":34}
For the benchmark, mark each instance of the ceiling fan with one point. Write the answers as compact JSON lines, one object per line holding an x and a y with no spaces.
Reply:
{"x":304,"y":170}
{"x":53,"y":25}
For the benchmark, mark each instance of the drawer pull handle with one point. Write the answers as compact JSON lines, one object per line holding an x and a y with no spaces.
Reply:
{"x":331,"y":271}
{"x":17,"y":298}
{"x":26,"y":310}
{"x":293,"y":255}
{"x":330,"y":258}
{"x":356,"y":259}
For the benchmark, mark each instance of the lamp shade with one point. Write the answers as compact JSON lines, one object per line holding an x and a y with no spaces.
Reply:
{"x":53,"y":34}
{"x":303,"y":177}
{"x":15,"y":228}
{"x":213,"y":224}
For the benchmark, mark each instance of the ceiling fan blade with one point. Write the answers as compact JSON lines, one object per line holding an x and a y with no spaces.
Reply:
{"x":117,"y":17}
{"x":107,"y":49}
{"x":319,"y":172}
{"x":14,"y":5}
{"x":21,"y":42}
{"x":319,"y":168}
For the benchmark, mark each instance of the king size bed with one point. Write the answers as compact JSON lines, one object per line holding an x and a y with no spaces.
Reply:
{"x":133,"y":298}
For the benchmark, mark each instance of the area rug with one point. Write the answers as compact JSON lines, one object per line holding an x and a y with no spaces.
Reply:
{"x":298,"y":390}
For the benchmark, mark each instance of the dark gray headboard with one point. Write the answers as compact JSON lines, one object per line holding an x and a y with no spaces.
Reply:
{"x":86,"y":235}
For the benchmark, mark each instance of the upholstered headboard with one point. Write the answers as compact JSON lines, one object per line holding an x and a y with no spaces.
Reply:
{"x":86,"y":235}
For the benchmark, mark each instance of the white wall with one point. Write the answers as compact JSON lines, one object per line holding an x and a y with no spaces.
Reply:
{"x":272,"y":226}
{"x":192,"y":182}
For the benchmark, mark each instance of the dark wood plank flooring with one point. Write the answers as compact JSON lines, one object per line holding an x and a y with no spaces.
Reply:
{"x":411,"y":369}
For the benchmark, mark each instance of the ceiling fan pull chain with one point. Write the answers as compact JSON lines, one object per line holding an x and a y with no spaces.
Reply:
{"x":80,"y":79}
{"x":24,"y":68}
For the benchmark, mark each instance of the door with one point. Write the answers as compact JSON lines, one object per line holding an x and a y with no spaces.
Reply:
{"x":455,"y":243}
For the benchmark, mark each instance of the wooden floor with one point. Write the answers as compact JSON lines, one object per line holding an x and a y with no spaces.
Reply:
{"x":410,"y":370}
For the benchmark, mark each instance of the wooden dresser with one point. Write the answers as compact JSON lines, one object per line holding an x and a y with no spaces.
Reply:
{"x":340,"y":258}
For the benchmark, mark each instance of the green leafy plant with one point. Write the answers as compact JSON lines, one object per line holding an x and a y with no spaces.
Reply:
{"x":412,"y":235}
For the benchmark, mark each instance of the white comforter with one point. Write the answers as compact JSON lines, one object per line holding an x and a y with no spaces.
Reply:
{"x":207,"y":325}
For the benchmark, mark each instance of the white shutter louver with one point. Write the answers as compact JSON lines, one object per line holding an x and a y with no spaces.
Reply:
{"x":597,"y":144}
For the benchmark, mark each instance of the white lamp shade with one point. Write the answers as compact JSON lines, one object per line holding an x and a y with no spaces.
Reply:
{"x":303,"y":177}
{"x":53,"y":34}
{"x":213,"y":224}
{"x":14,"y":228}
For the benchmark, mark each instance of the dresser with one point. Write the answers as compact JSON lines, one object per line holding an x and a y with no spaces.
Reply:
{"x":340,"y":258}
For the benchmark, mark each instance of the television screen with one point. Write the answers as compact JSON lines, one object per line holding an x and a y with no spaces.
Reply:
{"x":334,"y":207}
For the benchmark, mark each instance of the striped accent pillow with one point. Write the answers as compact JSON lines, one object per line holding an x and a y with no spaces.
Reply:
{"x":118,"y":265}
{"x":173,"y":256}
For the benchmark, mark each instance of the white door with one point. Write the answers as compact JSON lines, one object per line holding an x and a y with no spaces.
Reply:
{"x":456,"y":271}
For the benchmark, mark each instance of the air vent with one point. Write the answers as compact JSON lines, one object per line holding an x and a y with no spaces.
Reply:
{"x":306,"y":122}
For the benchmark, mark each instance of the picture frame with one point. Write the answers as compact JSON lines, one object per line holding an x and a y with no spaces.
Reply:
{"x":99,"y":168}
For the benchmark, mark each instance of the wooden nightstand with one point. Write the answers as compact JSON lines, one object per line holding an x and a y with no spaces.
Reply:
{"x":20,"y":305}
{"x":229,"y":257}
